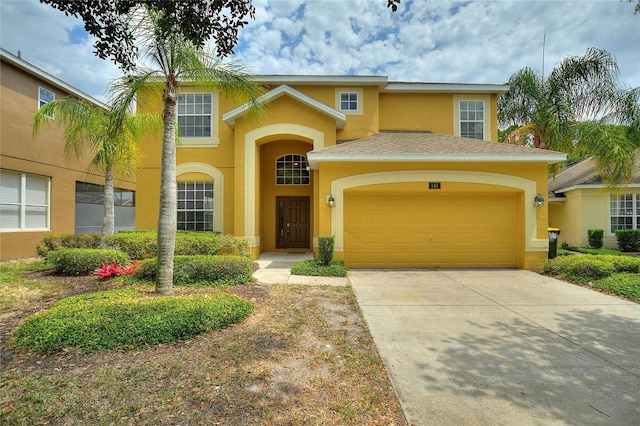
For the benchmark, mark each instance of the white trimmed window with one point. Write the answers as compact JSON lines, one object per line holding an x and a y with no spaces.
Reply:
{"x":24,"y":201}
{"x":349,"y":100}
{"x":624,"y":211}
{"x":45,"y":96}
{"x":195,"y":206}
{"x":292,"y":169}
{"x":472,"y":119}
{"x":195,"y":115}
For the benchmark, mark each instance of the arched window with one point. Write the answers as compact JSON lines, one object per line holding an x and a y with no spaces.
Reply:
{"x":292,"y":169}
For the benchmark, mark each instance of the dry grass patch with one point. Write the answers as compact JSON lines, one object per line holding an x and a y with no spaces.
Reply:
{"x":304,"y":357}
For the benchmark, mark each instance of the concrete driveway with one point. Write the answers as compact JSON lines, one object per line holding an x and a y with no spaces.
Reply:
{"x":503,"y":347}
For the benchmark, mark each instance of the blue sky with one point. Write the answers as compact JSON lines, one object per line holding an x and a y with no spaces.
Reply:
{"x":427,"y":41}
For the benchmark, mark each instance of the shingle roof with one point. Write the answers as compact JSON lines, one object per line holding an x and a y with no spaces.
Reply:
{"x":426,"y":146}
{"x":582,"y":173}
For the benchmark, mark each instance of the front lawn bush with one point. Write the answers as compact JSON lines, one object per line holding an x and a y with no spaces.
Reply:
{"x":317,"y":268}
{"x":138,"y":245}
{"x":144,"y":244}
{"x":76,"y":261}
{"x":127,"y":319}
{"x":326,"y":249}
{"x":50,"y":242}
{"x":596,"y":237}
{"x":628,"y":239}
{"x":581,"y":269}
{"x":201,"y":270}
{"x":588,"y":268}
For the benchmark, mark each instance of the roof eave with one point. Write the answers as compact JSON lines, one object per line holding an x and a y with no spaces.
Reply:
{"x":592,"y":186}
{"x":316,"y":158}
{"x":445,"y":88}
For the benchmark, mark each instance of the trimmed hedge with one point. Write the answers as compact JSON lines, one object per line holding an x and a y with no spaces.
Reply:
{"x":78,"y":261}
{"x":51,"y":242}
{"x":325,"y":250}
{"x":127,"y":319}
{"x":588,"y":268}
{"x":596,"y":237}
{"x":204,"y":271}
{"x":144,"y":244}
{"x":628,"y":239}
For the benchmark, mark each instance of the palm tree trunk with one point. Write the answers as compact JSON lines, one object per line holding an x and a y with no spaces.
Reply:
{"x":108,"y":218}
{"x":168,"y":194}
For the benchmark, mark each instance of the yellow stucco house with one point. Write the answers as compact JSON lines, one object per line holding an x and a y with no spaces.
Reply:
{"x":579,"y":201}
{"x":40,"y":191}
{"x":402,"y":174}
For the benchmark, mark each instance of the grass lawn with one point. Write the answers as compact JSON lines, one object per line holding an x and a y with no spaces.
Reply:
{"x":303,"y":357}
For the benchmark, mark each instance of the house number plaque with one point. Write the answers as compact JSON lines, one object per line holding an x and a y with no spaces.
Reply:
{"x":434,"y":185}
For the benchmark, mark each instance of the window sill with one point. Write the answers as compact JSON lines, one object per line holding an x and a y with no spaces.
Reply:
{"x":199,"y":143}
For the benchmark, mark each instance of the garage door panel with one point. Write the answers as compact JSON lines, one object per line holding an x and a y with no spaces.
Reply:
{"x":453,"y":230}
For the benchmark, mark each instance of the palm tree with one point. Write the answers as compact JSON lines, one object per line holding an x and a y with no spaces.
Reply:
{"x":90,"y":128}
{"x":167,"y":59}
{"x":580,"y":109}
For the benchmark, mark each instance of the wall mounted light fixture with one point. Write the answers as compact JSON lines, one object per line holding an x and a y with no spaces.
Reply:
{"x":538,"y":201}
{"x":331,"y":202}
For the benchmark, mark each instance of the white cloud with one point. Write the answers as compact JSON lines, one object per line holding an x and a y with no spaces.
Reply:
{"x":439,"y":41}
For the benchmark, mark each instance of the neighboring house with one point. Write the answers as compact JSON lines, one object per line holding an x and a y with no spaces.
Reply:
{"x":402,"y":174}
{"x":40,"y":191}
{"x":579,"y":201}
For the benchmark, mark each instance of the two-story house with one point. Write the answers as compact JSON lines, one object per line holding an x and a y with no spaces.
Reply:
{"x":402,"y":174}
{"x":41,"y":191}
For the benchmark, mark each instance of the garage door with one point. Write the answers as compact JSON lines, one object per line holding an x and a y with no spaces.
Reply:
{"x":430,"y":231}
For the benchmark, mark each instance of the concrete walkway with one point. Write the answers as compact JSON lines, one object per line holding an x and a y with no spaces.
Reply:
{"x":503,"y":347}
{"x":275,"y":268}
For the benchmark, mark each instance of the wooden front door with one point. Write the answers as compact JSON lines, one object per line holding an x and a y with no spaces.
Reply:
{"x":293,"y":228}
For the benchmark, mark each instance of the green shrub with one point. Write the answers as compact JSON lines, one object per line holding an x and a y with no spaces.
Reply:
{"x":76,"y":261}
{"x":325,"y":249}
{"x":315,"y":267}
{"x":126,"y":319}
{"x":582,"y":269}
{"x":192,"y":243}
{"x":138,"y":245}
{"x":50,"y":242}
{"x":626,"y":285}
{"x":625,"y":263}
{"x":628,"y":239}
{"x":201,"y":270}
{"x":144,"y":244}
{"x":595,"y":237}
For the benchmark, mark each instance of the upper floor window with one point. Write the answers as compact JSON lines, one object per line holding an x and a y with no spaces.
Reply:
{"x":349,"y":100}
{"x":624,"y":211}
{"x":195,"y":115}
{"x":472,"y":119}
{"x":292,"y":169}
{"x":45,"y":96}
{"x":24,"y":201}
{"x":195,"y":206}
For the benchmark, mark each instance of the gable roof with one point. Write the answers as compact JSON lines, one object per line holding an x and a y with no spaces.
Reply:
{"x":427,"y":146}
{"x":231,"y":116}
{"x":583,"y":175}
